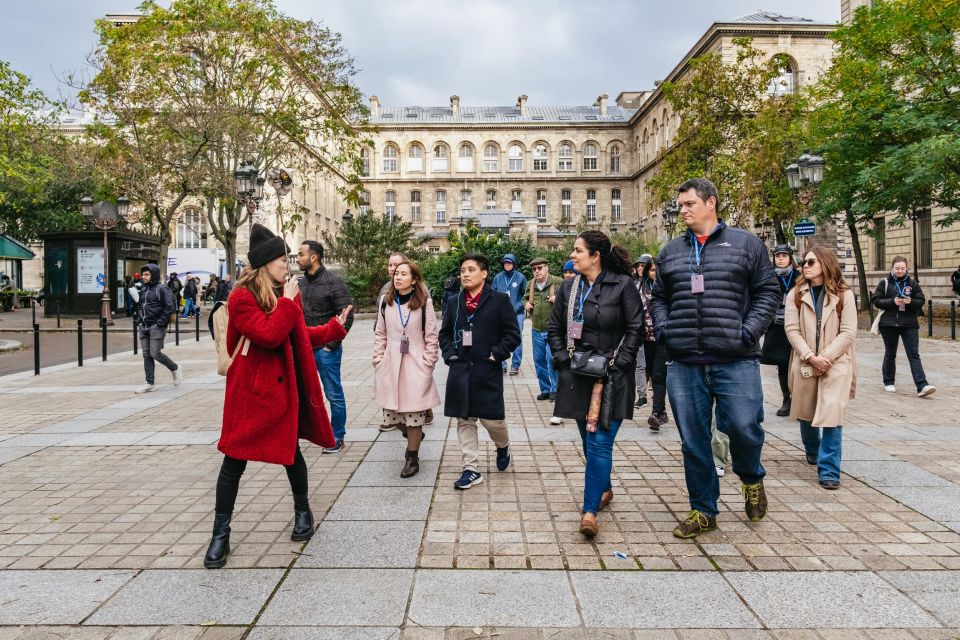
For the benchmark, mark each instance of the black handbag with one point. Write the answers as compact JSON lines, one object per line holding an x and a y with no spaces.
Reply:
{"x":587,"y":363}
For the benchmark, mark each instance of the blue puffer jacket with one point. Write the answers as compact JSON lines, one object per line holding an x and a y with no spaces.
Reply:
{"x":740,"y":296}
{"x":512,"y":283}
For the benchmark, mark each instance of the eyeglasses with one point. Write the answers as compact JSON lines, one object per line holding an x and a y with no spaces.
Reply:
{"x":539,"y":266}
{"x":809,"y":262}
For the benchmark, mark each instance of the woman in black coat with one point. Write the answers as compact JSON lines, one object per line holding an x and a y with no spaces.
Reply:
{"x":607,"y":312}
{"x":900,"y":300}
{"x":776,"y":347}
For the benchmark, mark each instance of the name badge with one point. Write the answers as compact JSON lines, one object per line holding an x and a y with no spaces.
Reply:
{"x":404,"y":345}
{"x":576,"y":330}
{"x":903,"y":307}
{"x":467,"y":338}
{"x":696,"y":283}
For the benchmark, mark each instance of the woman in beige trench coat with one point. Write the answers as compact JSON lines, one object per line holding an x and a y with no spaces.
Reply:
{"x":405,"y":352}
{"x":823,"y":370}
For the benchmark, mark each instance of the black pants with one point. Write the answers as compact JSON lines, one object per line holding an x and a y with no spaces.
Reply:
{"x":657,"y":370}
{"x":783,"y":371}
{"x":228,"y":483}
{"x":911,"y":344}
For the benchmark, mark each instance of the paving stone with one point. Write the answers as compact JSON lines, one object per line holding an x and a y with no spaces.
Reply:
{"x":838,"y":600}
{"x":936,"y":591}
{"x":167,"y":438}
{"x":662,"y":600}
{"x":856,"y":451}
{"x":34,"y":440}
{"x":391,"y":451}
{"x":387,"y":474}
{"x":55,"y":597}
{"x":190,"y":596}
{"x":382,"y":503}
{"x":499,"y":598}
{"x":104,"y":439}
{"x":9,"y":454}
{"x":893,"y":473}
{"x":344,"y":544}
{"x":937,"y":503}
{"x":347,"y":597}
{"x":324,"y":633}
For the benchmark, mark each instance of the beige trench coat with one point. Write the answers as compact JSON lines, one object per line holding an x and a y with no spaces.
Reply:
{"x":822,"y":400}
{"x":404,"y":382}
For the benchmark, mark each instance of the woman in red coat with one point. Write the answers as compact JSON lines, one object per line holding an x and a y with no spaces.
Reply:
{"x":273,"y":395}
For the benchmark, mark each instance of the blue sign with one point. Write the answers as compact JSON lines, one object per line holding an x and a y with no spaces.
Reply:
{"x":101,"y":281}
{"x":804,"y":228}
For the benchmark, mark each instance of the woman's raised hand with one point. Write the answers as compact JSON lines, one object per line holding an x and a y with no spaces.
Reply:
{"x":342,"y":318}
{"x":291,"y":288}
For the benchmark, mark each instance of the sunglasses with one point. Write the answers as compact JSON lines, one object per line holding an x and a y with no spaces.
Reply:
{"x":809,"y":262}
{"x":539,"y":266}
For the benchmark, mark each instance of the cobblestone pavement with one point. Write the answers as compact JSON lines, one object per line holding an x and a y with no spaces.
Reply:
{"x":106,"y":500}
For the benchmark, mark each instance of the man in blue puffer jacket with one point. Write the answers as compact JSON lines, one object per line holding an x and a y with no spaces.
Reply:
{"x":715,"y":295}
{"x":513,"y":283}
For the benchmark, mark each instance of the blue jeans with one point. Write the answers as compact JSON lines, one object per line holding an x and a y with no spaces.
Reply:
{"x":826,"y":448}
{"x":543,"y":362}
{"x":518,"y":354}
{"x":188,"y":307}
{"x":735,"y":389}
{"x":328,"y":364}
{"x":598,"y":450}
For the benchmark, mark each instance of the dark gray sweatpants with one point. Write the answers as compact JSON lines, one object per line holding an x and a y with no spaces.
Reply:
{"x":151,"y":343}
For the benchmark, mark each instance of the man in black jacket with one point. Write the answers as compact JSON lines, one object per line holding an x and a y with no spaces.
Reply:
{"x":324,"y":296}
{"x":156,"y":307}
{"x":478,"y":333}
{"x":175,"y":287}
{"x":715,"y":295}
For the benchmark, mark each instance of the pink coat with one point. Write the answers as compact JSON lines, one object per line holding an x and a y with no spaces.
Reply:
{"x":404,"y":382}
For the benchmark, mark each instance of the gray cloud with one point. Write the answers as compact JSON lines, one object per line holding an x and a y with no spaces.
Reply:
{"x":419,"y":52}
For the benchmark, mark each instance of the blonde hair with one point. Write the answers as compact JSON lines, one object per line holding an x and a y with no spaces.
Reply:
{"x":260,"y":284}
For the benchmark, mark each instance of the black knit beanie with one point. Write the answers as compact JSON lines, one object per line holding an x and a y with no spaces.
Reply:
{"x":265,"y":246}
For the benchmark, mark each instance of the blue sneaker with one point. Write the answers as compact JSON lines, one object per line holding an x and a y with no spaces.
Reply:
{"x":503,"y":458}
{"x":467,"y":479}
{"x":334,"y":449}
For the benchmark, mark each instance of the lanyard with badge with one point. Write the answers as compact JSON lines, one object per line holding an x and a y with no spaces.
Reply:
{"x":696,"y":277}
{"x":467,"y":339}
{"x":576,"y":327}
{"x":902,"y":292}
{"x":786,"y":282}
{"x":404,"y":340}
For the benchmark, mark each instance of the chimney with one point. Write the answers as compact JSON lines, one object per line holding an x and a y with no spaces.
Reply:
{"x":374,"y":105}
{"x":522,"y":104}
{"x":455,"y":105}
{"x":602,"y":103}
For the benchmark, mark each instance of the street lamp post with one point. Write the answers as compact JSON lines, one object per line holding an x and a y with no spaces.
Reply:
{"x":804,"y":176}
{"x":671,"y":213}
{"x":249,"y":187}
{"x":105,"y":216}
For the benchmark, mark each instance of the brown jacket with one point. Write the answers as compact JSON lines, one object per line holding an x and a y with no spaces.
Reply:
{"x":822,"y":400}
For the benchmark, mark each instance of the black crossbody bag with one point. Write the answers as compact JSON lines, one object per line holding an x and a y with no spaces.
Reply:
{"x":589,"y":364}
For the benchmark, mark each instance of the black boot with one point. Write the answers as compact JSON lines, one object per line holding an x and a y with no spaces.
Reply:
{"x":412,"y":467}
{"x":784,"y":409}
{"x":302,"y":519}
{"x":219,"y":547}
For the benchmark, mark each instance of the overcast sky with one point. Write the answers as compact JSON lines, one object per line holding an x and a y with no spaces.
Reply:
{"x":419,"y":52}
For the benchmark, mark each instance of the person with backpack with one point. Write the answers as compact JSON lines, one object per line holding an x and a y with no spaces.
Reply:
{"x":156,"y":307}
{"x":900,"y":300}
{"x":540,"y":297}
{"x":273,"y":394}
{"x":405,"y":352}
{"x":820,"y":321}
{"x":776,"y":347}
{"x":190,"y":297}
{"x":176,"y":287}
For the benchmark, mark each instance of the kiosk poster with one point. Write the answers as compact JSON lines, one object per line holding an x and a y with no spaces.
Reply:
{"x":89,"y":270}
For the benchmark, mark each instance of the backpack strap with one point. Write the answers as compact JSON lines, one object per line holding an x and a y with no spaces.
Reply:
{"x":530,"y":295}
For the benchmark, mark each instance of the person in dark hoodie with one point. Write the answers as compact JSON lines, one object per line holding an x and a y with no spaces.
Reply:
{"x":900,"y":299}
{"x":156,"y":307}
{"x":776,"y":348}
{"x":513,"y":283}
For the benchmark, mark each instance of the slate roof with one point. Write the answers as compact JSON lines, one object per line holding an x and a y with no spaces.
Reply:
{"x":499,"y":115}
{"x":762,"y":17}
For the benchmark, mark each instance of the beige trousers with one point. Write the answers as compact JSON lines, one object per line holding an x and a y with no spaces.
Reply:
{"x":470,"y":445}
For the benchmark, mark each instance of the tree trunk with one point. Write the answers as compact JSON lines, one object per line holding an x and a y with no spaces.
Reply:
{"x":858,"y":255}
{"x":779,"y":232}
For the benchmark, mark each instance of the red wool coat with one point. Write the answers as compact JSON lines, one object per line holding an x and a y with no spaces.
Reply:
{"x":273,"y":393}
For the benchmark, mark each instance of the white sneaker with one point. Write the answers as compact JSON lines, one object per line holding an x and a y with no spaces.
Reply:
{"x":720,"y":471}
{"x":890,"y":388}
{"x":147,"y":388}
{"x":556,"y":420}
{"x":928,"y":390}
{"x":178,"y":376}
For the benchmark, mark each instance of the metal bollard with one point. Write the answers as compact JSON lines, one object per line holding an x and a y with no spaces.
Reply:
{"x":198,"y":325}
{"x":135,"y":341}
{"x":176,"y":328}
{"x":929,"y":318}
{"x":79,"y":342}
{"x":36,"y":349}
{"x":103,"y":338}
{"x":58,"y":315}
{"x":33,"y":310}
{"x":953,"y":319}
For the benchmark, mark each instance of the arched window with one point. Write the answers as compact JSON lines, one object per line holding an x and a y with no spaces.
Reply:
{"x":645,"y":145}
{"x":565,"y":157}
{"x":540,"y":157}
{"x":591,"y":205}
{"x":615,"y":159}
{"x":465,"y":158}
{"x":541,"y":205}
{"x":364,"y":203}
{"x":566,"y":206}
{"x":515,"y":158}
{"x":415,"y":158}
{"x":491,"y":198}
{"x":465,"y":201}
{"x":655,"y":135}
{"x":784,"y":83}
{"x":666,"y":129}
{"x":191,"y":229}
{"x":441,"y":207}
{"x":590,"y":157}
{"x":415,"y":206}
{"x":390,"y":154}
{"x":491,"y":157}
{"x":616,"y":211}
{"x":365,"y":157}
{"x":441,"y":158}
{"x":515,"y":205}
{"x":390,"y":205}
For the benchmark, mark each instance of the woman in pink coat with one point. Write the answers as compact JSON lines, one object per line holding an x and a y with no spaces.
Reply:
{"x":405,"y":352}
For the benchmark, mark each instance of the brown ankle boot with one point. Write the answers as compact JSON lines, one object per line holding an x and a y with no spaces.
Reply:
{"x":412,"y":466}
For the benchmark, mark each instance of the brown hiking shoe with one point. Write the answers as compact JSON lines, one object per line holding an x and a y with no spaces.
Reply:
{"x":695,"y":524}
{"x":755,"y":501}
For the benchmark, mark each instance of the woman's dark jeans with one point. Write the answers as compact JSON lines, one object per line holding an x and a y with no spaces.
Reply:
{"x":911,"y":344}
